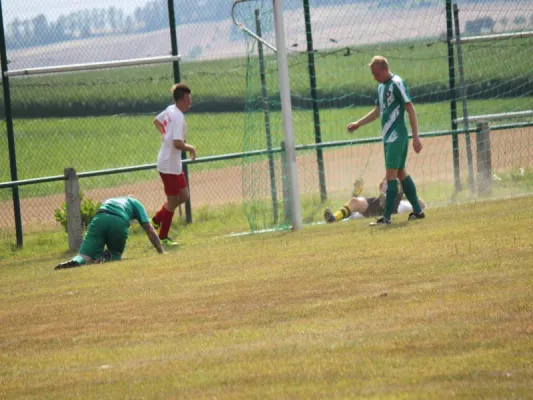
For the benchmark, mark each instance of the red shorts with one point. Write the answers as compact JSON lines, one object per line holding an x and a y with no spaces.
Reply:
{"x":173,"y":183}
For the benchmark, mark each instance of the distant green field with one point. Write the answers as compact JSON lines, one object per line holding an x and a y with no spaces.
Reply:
{"x":44,"y":147}
{"x":492,"y":69}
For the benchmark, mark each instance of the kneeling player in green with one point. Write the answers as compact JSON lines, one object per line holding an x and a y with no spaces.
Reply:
{"x":110,"y":228}
{"x":392,"y":103}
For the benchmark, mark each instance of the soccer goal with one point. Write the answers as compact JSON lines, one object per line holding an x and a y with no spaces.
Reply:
{"x":328,"y":48}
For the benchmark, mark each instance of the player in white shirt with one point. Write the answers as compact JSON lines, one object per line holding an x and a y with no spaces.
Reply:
{"x":173,"y":128}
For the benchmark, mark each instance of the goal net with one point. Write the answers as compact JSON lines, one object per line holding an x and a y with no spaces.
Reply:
{"x":329,"y":47}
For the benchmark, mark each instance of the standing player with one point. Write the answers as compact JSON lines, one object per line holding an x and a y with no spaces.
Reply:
{"x":171,"y":124}
{"x":392,"y":103}
{"x":110,"y":228}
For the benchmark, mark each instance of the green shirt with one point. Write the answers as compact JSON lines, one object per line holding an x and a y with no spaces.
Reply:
{"x":126,"y":207}
{"x":392,"y":97}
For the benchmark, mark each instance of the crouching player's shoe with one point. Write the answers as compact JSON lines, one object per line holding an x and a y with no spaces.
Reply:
{"x":328,"y":216}
{"x":68,"y":264}
{"x":168,"y":242}
{"x":106,"y":257}
{"x":381,"y":221}
{"x":414,"y":216}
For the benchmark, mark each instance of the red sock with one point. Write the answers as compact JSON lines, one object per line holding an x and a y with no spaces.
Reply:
{"x":166,"y":220}
{"x":158,"y":217}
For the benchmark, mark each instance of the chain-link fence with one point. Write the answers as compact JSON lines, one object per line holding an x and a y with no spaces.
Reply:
{"x":96,"y":120}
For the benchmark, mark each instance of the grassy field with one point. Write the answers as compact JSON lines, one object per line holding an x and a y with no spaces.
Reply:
{"x":424,"y":64}
{"x":438,"y":308}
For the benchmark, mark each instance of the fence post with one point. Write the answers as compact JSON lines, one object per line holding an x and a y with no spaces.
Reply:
{"x":453,"y":95}
{"x":72,"y":197}
{"x":177,"y":79}
{"x":464,"y":93}
{"x":266,"y":113}
{"x":484,"y":162}
{"x":10,"y":130}
{"x":314,"y":98}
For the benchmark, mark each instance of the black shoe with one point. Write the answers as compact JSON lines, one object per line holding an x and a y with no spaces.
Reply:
{"x":328,"y":216}
{"x":68,"y":264}
{"x":381,"y":221}
{"x":413,"y":216}
{"x":106,"y":257}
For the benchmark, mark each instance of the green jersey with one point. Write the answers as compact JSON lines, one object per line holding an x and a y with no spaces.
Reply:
{"x":392,"y":97}
{"x":126,"y":207}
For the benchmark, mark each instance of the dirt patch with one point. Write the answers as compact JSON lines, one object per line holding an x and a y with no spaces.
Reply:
{"x":511,"y":149}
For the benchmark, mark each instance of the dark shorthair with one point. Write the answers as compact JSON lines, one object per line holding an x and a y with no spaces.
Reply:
{"x":179,"y":90}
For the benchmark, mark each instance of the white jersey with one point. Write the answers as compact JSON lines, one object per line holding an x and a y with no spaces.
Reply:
{"x":169,"y":158}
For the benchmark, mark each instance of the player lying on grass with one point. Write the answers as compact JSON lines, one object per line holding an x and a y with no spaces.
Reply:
{"x":110,"y":228}
{"x":367,"y":207}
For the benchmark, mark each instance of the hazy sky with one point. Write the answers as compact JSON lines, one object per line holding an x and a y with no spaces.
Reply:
{"x":24,"y":9}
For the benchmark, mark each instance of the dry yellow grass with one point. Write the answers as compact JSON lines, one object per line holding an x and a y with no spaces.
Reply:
{"x":438,"y":308}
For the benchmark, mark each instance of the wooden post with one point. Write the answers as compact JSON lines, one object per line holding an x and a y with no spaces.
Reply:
{"x":484,"y":162}
{"x":72,"y":197}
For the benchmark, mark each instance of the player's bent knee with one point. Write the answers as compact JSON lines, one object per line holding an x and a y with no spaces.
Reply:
{"x":358,"y":204}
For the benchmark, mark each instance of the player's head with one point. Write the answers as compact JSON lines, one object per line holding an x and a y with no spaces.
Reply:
{"x":181,"y":94}
{"x":379,"y":66}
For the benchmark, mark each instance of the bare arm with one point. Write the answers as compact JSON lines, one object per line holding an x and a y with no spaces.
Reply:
{"x":159,"y":126}
{"x":152,"y":235}
{"x":181,"y":145}
{"x":370,"y":117}
{"x":410,"y":108}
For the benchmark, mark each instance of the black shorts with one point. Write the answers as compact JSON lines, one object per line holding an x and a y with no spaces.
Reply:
{"x":376,"y":206}
{"x":374,"y":209}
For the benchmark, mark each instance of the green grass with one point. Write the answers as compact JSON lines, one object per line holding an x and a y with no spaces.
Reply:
{"x":424,"y":64}
{"x":435,"y":309}
{"x":98,"y":143}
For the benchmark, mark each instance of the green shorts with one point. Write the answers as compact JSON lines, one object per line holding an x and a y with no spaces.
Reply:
{"x":105,"y":230}
{"x":396,"y":154}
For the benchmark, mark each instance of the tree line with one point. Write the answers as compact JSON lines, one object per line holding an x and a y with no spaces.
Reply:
{"x":97,"y":22}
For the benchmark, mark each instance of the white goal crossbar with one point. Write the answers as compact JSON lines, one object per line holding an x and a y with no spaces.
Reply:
{"x":495,"y":117}
{"x":90,"y":66}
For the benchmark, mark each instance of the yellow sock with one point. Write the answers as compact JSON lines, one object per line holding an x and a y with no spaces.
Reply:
{"x":344,"y":212}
